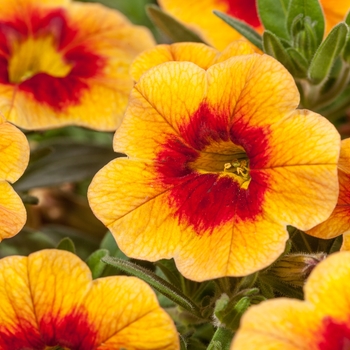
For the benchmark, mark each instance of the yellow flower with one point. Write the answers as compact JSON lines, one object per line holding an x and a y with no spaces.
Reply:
{"x":219,"y":162}
{"x":14,"y":156}
{"x":339,"y":221}
{"x":321,"y":322}
{"x":49,"y":301}
{"x":198,"y":15}
{"x":65,"y":62}
{"x":202,"y":55}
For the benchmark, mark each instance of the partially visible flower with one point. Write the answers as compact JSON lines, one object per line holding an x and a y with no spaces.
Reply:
{"x":14,"y":157}
{"x":198,"y":15}
{"x":49,"y":301}
{"x":321,"y":322}
{"x":65,"y":62}
{"x":339,"y":221}
{"x":202,"y":55}
{"x":219,"y":163}
{"x":334,"y":12}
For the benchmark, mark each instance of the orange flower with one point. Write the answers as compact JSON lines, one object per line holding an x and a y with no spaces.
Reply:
{"x":339,"y":222}
{"x":334,"y":13}
{"x":200,"y":18}
{"x":219,"y":162}
{"x":65,"y":62}
{"x":198,"y":15}
{"x":202,"y":55}
{"x":321,"y":322}
{"x":14,"y":156}
{"x":49,"y":301}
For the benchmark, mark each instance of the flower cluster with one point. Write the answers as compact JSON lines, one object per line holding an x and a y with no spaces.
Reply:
{"x":228,"y":186}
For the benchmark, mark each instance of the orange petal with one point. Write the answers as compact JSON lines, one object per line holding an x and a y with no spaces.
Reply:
{"x":278,"y":324}
{"x":129,"y":316}
{"x":326,"y":286}
{"x":339,"y":221}
{"x":198,"y":15}
{"x":12,"y":212}
{"x":14,"y":152}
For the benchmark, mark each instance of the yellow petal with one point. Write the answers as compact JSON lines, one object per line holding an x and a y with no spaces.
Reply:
{"x":199,"y":17}
{"x":326,"y":288}
{"x":14,"y":152}
{"x":12,"y":212}
{"x":253,"y":89}
{"x":126,"y":312}
{"x":278,"y":324}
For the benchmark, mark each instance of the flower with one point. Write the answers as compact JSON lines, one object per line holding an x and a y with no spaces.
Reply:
{"x":219,"y":162}
{"x":339,"y":221}
{"x":49,"y":301}
{"x":198,"y":15}
{"x":200,"y":18}
{"x":334,"y":14}
{"x":65,"y":62}
{"x":321,"y":322}
{"x":202,"y":55}
{"x":14,"y":157}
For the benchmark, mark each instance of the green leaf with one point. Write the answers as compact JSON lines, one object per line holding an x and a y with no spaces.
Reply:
{"x":307,"y":8}
{"x":299,"y":62}
{"x":327,"y":53}
{"x":273,"y":14}
{"x":158,"y":283}
{"x":176,"y":31}
{"x":66,"y":244}
{"x":346,"y":51}
{"x":69,"y":161}
{"x":241,"y":27}
{"x":221,"y":340}
{"x":95,"y":264}
{"x":274,"y":48}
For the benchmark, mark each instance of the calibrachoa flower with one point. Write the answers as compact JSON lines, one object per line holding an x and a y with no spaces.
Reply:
{"x":198,"y":15}
{"x":49,"y":301}
{"x":219,"y":162}
{"x":339,"y":222}
{"x":321,"y":322}
{"x":65,"y":62}
{"x":14,"y":156}
{"x":202,"y":55}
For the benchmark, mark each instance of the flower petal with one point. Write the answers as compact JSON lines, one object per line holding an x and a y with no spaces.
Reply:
{"x":109,"y":304}
{"x":14,"y":152}
{"x":277,"y":324}
{"x":326,"y":287}
{"x":12,"y":211}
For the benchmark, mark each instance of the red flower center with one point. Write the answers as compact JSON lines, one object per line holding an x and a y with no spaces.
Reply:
{"x":204,"y":194}
{"x":335,"y":335}
{"x":73,"y":332}
{"x":244,"y":10}
{"x":40,"y":54}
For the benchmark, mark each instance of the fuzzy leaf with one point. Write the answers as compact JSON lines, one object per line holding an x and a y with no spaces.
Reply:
{"x":274,"y":48}
{"x":273,"y":14}
{"x":307,"y":8}
{"x":327,"y":53}
{"x":95,"y":264}
{"x":66,"y":244}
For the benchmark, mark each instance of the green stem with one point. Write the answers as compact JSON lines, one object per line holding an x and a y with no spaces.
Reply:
{"x":221,"y":340}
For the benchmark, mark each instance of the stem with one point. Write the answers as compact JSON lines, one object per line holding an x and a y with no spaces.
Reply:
{"x":221,"y":339}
